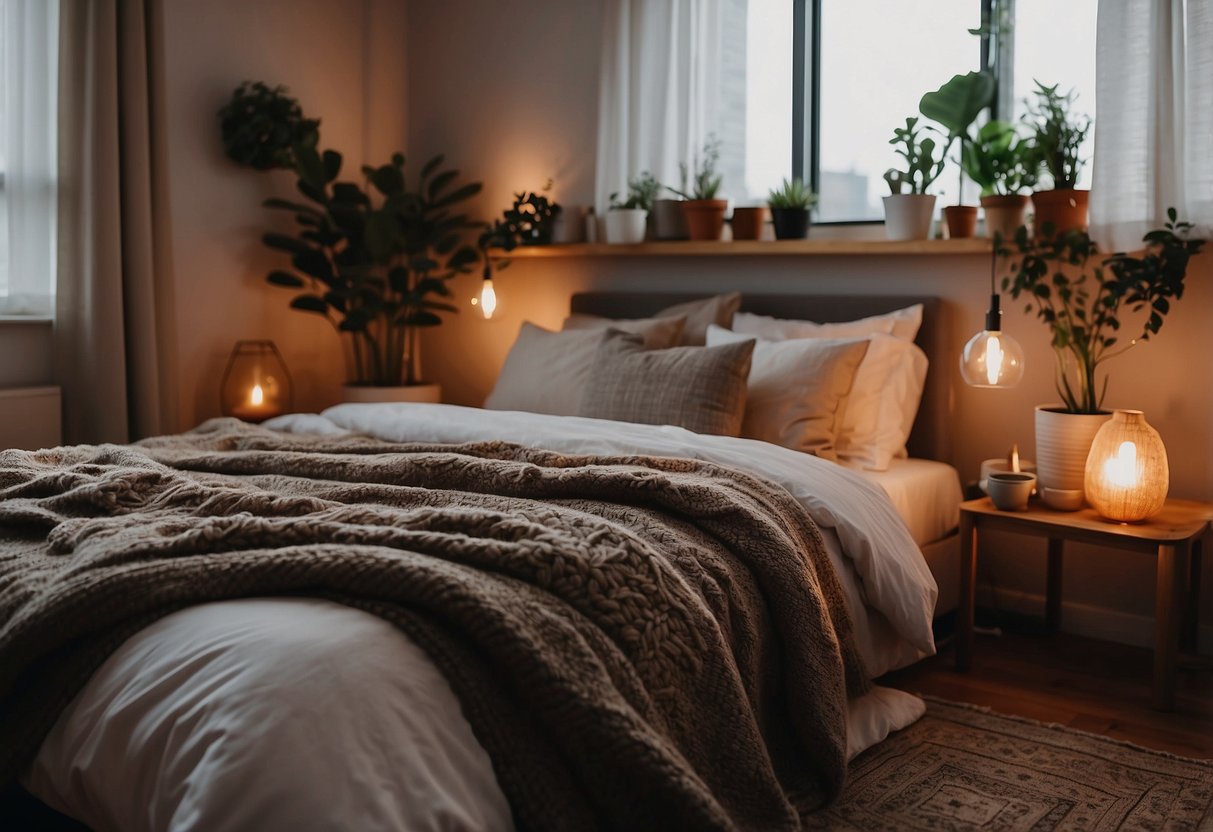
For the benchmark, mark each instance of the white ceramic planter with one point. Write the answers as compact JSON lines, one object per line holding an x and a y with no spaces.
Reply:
{"x":626,"y":225}
{"x":417,"y":393}
{"x":1063,"y":441}
{"x":908,"y":216}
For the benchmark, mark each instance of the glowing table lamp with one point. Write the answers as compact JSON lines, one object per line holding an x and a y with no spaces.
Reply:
{"x":1127,"y":476}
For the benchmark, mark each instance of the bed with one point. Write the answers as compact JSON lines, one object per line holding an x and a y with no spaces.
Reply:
{"x":268,"y":710}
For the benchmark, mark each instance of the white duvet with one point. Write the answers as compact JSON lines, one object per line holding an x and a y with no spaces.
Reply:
{"x":264,"y":714}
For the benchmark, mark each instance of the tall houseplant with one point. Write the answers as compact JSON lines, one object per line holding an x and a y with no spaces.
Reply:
{"x":1057,"y":142}
{"x":1081,"y":296}
{"x":374,"y":261}
{"x":908,"y":215}
{"x":955,"y":106}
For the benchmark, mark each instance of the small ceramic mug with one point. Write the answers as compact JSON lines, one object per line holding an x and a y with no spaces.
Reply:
{"x":1009,"y":491}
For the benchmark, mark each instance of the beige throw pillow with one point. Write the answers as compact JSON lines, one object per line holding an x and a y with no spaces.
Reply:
{"x":702,"y":389}
{"x":797,"y":389}
{"x":658,"y":333}
{"x":698,"y":315}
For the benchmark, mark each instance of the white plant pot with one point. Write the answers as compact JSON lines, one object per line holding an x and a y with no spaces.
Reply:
{"x":416,"y":393}
{"x":908,"y":216}
{"x":1063,"y":441}
{"x":626,"y":225}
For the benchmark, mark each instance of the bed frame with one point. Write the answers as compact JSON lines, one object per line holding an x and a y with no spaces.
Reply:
{"x":930,"y":438}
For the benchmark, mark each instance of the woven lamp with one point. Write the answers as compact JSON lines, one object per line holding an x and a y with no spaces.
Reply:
{"x":1127,"y":476}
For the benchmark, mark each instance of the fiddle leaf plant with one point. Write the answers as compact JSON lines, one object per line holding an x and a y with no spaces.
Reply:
{"x":1080,"y":296}
{"x":955,"y":106}
{"x":374,"y":259}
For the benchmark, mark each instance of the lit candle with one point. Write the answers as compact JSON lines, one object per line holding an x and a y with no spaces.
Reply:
{"x":255,"y":408}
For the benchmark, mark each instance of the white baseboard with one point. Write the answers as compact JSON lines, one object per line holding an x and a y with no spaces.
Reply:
{"x":1093,"y":622}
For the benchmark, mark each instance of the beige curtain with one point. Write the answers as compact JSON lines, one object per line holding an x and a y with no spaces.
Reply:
{"x":112,"y":308}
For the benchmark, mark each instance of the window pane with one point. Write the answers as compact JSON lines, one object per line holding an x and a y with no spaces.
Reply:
{"x":1061,"y":55}
{"x":877,"y":60}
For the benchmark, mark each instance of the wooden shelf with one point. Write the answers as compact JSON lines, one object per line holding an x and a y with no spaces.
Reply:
{"x":757,"y":248}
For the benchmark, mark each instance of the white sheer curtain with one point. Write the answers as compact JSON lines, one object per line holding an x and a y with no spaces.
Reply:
{"x":29,"y":37}
{"x":1154,"y":134}
{"x":659,"y":89}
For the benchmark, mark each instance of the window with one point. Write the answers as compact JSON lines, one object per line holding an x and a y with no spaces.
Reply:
{"x":826,"y":81}
{"x":29,"y":56}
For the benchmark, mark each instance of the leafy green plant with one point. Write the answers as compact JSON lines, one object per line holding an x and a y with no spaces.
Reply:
{"x":375,"y":262}
{"x":1057,"y":137}
{"x":642,"y":190}
{"x":529,"y":221}
{"x":921,"y":166}
{"x":706,"y":181}
{"x":793,"y":193}
{"x":999,"y":160}
{"x":955,"y":106}
{"x":1079,"y":296}
{"x":261,"y":125}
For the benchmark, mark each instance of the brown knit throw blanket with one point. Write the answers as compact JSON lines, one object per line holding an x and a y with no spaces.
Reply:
{"x":638,"y":643}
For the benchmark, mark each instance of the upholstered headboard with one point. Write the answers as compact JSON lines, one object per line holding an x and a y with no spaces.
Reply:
{"x":930,"y":438}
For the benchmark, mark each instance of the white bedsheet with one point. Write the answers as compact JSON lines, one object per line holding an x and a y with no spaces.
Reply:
{"x":302,"y":714}
{"x":926,"y":494}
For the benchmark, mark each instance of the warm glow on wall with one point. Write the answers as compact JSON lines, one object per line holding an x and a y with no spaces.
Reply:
{"x":1127,"y":475}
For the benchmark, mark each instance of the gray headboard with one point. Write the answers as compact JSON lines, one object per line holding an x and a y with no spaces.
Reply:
{"x":930,"y":438}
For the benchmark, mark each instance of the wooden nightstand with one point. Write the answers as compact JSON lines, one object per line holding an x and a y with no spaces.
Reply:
{"x":1173,"y":536}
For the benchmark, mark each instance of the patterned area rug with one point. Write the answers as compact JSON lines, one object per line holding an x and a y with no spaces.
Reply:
{"x":961,"y":767}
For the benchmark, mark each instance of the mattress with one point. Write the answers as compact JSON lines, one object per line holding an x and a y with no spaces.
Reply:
{"x":926,"y":494}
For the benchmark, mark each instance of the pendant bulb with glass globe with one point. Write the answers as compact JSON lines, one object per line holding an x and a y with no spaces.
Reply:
{"x":992,"y":358}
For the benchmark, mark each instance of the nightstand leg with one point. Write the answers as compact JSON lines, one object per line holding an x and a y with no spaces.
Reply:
{"x":1171,"y":562}
{"x":1053,"y":588}
{"x":968,"y":592}
{"x":1189,"y":628}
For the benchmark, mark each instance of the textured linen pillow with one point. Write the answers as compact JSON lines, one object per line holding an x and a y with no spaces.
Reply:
{"x":658,"y":332}
{"x":902,"y":323}
{"x":797,"y":389}
{"x":698,"y":315}
{"x":702,"y":389}
{"x":883,"y":403}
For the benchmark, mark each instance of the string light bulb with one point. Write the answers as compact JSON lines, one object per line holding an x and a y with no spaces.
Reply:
{"x":992,"y":358}
{"x":487,"y":301}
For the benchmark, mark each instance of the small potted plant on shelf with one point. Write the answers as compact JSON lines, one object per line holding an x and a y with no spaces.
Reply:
{"x":1002,"y":164}
{"x":530,"y":220}
{"x":790,"y":205}
{"x":908,"y":215}
{"x":703,"y":211}
{"x":1080,"y":296}
{"x":1056,"y":141}
{"x":627,"y":221}
{"x":955,"y":106}
{"x":373,"y":259}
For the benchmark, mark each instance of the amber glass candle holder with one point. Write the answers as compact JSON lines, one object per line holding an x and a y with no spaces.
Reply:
{"x":256,"y":384}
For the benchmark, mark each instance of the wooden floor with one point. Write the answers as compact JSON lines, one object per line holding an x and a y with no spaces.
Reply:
{"x":1093,"y":686}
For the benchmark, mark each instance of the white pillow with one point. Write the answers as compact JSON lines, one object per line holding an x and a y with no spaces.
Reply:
{"x":902,"y":323}
{"x":883,"y":403}
{"x":797,"y":389}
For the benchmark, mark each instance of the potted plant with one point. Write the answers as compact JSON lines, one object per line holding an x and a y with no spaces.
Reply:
{"x":790,"y":204}
{"x":908,"y":215}
{"x":375,"y":261}
{"x":703,"y":211}
{"x":955,"y":106}
{"x":627,"y":221}
{"x":1080,"y":296}
{"x":530,"y":220}
{"x":747,"y":221}
{"x":1002,"y":164}
{"x":1056,"y":141}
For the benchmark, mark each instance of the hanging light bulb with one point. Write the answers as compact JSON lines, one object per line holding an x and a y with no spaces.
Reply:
{"x":487,"y":301}
{"x":992,"y":358}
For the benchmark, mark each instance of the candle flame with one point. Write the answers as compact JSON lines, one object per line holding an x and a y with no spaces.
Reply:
{"x":488,"y":299}
{"x":994,"y":357}
{"x":256,"y":396}
{"x":1121,"y":469}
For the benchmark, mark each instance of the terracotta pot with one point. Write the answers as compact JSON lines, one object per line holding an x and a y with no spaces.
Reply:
{"x":369,"y":393}
{"x":705,"y":217}
{"x":908,"y":216}
{"x":790,"y":223}
{"x":1004,"y":215}
{"x":962,"y":221}
{"x":1063,"y":209}
{"x":747,"y":222}
{"x":1063,"y":441}
{"x":667,"y":221}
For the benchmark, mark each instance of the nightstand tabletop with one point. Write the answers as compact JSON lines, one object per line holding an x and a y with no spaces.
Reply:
{"x":1179,"y":520}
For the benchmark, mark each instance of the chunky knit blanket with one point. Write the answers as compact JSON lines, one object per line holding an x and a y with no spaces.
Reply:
{"x":639,"y":643}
